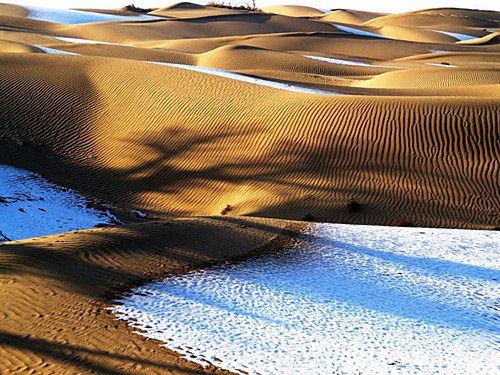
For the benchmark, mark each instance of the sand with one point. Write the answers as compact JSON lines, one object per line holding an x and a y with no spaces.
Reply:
{"x":398,"y":114}
{"x":55,"y":290}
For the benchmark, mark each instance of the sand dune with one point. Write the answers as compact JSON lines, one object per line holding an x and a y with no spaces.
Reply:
{"x":277,"y":157}
{"x":350,"y":16}
{"x":349,"y":116}
{"x":173,"y":141}
{"x":293,"y":10}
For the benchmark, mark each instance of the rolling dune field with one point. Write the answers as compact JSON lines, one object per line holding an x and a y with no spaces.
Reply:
{"x":228,"y":129}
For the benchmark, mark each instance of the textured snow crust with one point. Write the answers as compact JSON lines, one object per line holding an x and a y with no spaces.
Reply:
{"x":31,"y":206}
{"x":344,"y":299}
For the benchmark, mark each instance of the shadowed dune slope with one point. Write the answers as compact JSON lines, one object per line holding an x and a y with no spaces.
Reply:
{"x":171,"y":141}
{"x":55,"y":289}
{"x":490,"y":39}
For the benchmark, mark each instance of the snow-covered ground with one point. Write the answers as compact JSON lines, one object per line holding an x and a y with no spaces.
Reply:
{"x":352,"y":30}
{"x":457,"y":35}
{"x":30,"y":206}
{"x":54,"y":51}
{"x":344,"y":299}
{"x":70,"y":16}
{"x":244,"y":78}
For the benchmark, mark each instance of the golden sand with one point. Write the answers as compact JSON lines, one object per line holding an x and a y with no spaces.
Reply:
{"x":410,"y":133}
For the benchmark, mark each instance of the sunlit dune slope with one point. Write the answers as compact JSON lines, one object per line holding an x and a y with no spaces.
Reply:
{"x":294,"y":10}
{"x":266,"y":115}
{"x":176,"y":142}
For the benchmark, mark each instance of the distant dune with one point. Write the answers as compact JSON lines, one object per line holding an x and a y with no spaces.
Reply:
{"x":293,"y":10}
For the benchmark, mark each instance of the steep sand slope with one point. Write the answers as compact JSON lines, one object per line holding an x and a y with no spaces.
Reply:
{"x":55,"y":289}
{"x":172,"y":141}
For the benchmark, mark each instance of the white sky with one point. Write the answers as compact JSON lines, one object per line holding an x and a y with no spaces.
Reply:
{"x":390,"y":6}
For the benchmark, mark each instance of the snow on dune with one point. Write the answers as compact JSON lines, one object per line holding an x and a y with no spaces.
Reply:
{"x":54,"y":51}
{"x":81,"y":41}
{"x":244,"y":78}
{"x":344,"y":299}
{"x":438,"y":51}
{"x":30,"y":206}
{"x":349,"y":62}
{"x":70,"y":16}
{"x":337,"y":61}
{"x":352,"y":30}
{"x":441,"y":65}
{"x":457,"y":35}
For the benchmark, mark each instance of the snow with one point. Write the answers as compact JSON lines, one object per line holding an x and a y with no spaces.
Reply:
{"x":457,"y":35}
{"x":337,"y":61}
{"x":442,"y":65}
{"x":31,"y":206}
{"x":81,"y":41}
{"x":354,"y":31}
{"x":349,"y":62}
{"x":344,"y":299}
{"x":70,"y":16}
{"x":54,"y":51}
{"x":244,"y":78}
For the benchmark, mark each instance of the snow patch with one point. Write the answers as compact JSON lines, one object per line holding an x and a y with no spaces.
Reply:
{"x":354,"y":31}
{"x":54,"y":51}
{"x":337,"y":61}
{"x":81,"y":41}
{"x":438,"y":51}
{"x":442,"y":65}
{"x":31,"y":206}
{"x":349,"y":62}
{"x":71,"y":17}
{"x":344,"y":299}
{"x":456,"y":35}
{"x":243,"y":78}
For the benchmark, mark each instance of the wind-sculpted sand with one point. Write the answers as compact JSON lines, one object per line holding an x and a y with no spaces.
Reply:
{"x":289,"y":113}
